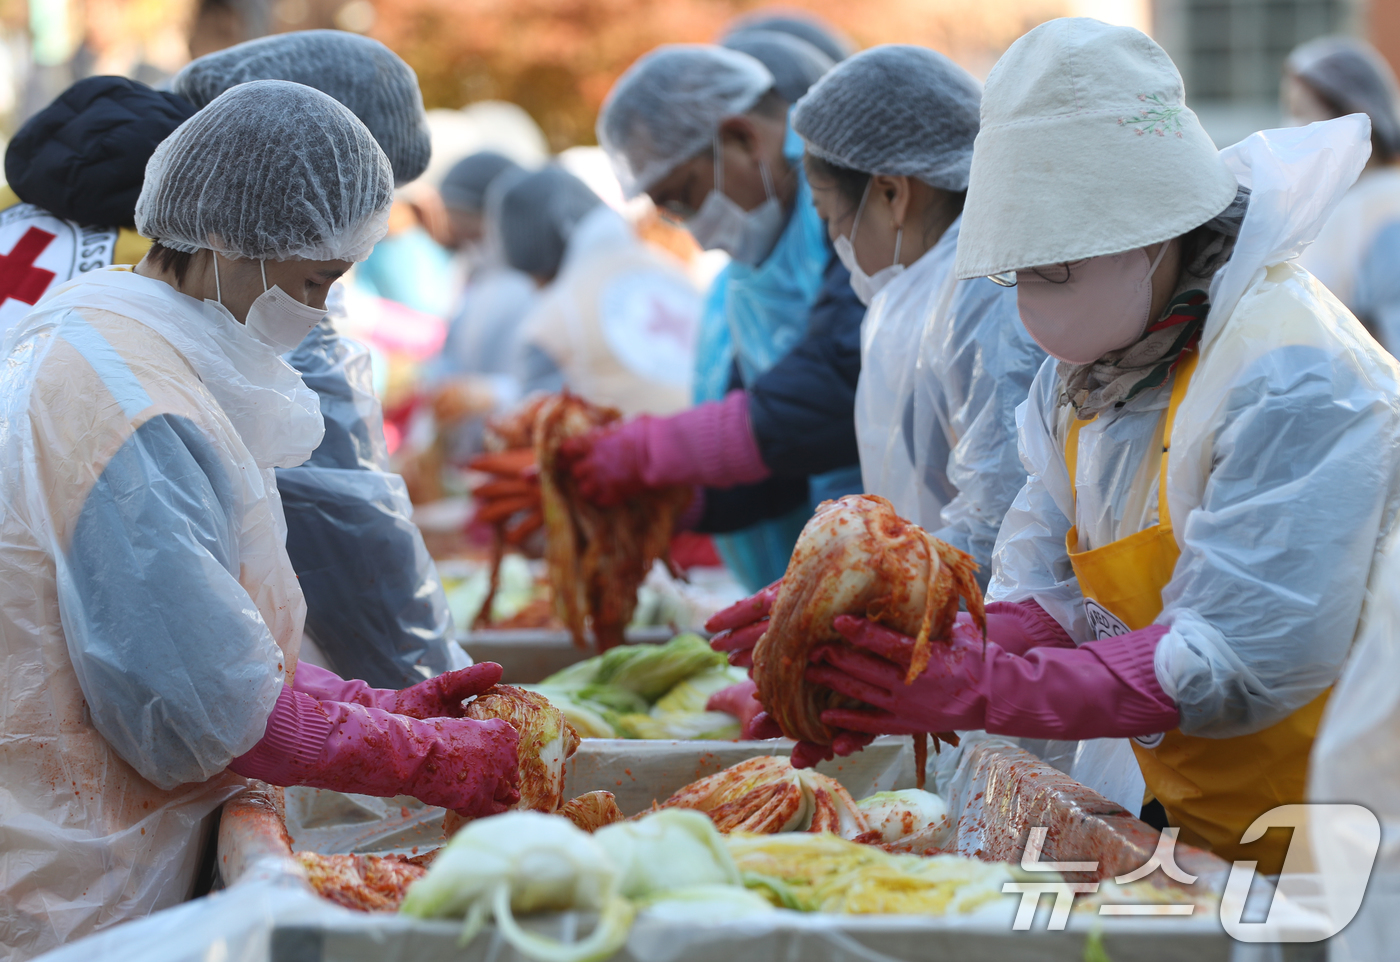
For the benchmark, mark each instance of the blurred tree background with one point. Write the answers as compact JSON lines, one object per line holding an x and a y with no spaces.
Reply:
{"x":558,"y":58}
{"x":555,"y":58}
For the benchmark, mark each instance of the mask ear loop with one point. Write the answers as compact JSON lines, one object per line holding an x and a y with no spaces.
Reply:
{"x":262,"y":265}
{"x":768,"y":193}
{"x":218,"y":293}
{"x":1157,"y":263}
{"x":1148,"y":279}
{"x":855,"y":221}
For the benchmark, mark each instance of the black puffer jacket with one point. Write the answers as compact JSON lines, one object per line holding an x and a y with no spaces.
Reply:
{"x":83,"y":157}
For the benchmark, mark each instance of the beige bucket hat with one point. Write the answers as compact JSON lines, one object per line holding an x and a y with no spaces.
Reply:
{"x":1086,"y":148}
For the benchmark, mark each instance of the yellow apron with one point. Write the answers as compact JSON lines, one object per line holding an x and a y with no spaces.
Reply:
{"x":1212,"y":788}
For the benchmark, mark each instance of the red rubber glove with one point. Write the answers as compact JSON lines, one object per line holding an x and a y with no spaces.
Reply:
{"x":1019,"y":626}
{"x":710,"y":445}
{"x":738,"y":627}
{"x":1104,"y":689}
{"x":742,"y":702}
{"x":439,"y":697}
{"x":467,"y":766}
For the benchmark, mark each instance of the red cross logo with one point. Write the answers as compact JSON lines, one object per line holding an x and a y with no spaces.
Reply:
{"x":19,"y":278}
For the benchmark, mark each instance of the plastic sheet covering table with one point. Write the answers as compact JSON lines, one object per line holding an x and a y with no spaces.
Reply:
{"x":999,"y":792}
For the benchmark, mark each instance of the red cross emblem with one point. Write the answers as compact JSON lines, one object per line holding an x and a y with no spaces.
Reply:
{"x":19,"y":278}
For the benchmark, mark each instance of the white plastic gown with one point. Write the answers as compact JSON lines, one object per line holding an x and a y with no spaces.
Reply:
{"x":889,"y":359}
{"x":1282,"y":471}
{"x":149,"y":615}
{"x":976,"y":364}
{"x":944,"y":364}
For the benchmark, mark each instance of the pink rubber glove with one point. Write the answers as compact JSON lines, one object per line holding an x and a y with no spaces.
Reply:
{"x":1104,"y":689}
{"x":439,"y":697}
{"x":738,"y":627}
{"x":742,"y":702}
{"x":1016,"y":627}
{"x":462,"y":764}
{"x":1019,"y":626}
{"x":710,"y":445}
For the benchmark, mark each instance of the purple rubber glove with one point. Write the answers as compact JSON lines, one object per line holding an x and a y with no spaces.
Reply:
{"x":1104,"y":689}
{"x":439,"y":697}
{"x":710,"y":445}
{"x":1019,"y":626}
{"x":467,"y":766}
{"x":737,"y":628}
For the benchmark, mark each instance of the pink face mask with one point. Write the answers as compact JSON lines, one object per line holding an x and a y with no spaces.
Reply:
{"x":1078,"y":312}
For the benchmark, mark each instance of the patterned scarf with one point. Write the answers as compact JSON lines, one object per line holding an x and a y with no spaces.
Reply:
{"x":1119,"y":376}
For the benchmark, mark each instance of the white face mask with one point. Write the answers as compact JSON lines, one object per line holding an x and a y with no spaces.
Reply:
{"x":276,"y":318}
{"x":866,"y":285}
{"x":748,"y":236}
{"x":1103,"y":306}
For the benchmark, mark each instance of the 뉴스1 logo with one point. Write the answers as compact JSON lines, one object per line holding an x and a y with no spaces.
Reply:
{"x":1343,"y":838}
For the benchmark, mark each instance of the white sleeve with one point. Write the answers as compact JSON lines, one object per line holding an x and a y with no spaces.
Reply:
{"x":1267,"y":593}
{"x":993,"y":363}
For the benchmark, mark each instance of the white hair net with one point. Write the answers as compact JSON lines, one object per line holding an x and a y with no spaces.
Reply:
{"x":270,"y":170}
{"x":668,"y":106}
{"x":537,"y":214}
{"x":1356,"y":78}
{"x":894,"y":109}
{"x":361,"y":73}
{"x":795,"y":64}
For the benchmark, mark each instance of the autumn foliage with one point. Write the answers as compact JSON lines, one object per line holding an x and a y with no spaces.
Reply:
{"x":558,"y":58}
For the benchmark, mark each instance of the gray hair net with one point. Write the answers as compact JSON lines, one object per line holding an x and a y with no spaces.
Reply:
{"x":464,"y":187}
{"x":270,"y":170}
{"x":1356,"y":79}
{"x":894,"y":109}
{"x":537,"y":213}
{"x":795,"y":23}
{"x":361,"y":73}
{"x":667,"y":107}
{"x":795,"y":64}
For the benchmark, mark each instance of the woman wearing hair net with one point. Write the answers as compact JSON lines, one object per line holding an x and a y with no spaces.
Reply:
{"x":376,"y":610}
{"x":944,"y":363}
{"x":703,"y":131}
{"x":152,"y":620}
{"x":1211,"y":448}
{"x":79,"y":163}
{"x":615,"y":320}
{"x":1357,"y":254}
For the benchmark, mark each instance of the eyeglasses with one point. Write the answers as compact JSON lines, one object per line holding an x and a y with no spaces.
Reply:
{"x":1054,"y":273}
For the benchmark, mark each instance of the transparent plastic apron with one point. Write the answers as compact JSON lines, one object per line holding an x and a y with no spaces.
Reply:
{"x":1213,"y":788}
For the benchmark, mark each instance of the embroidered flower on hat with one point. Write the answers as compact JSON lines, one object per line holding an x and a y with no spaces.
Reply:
{"x":1158,"y":117}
